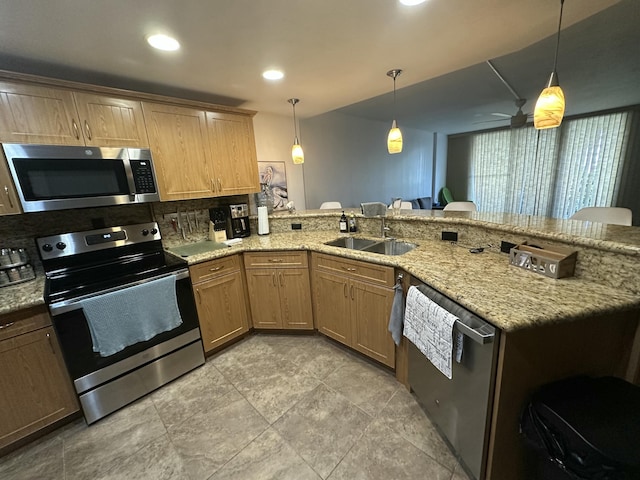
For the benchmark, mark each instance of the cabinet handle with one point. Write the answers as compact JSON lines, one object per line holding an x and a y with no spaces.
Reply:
{"x":349,"y":269}
{"x":213,"y":185}
{"x":219,"y":185}
{"x":53,"y":350}
{"x":273,"y":277}
{"x":344,"y":288}
{"x":75,"y":128}
{"x":351,"y":289}
{"x":281,"y":279}
{"x":6,"y":190}
{"x":215,"y":269}
{"x":275,"y":260}
{"x":199,"y":297}
{"x":87,"y":129}
{"x":7,"y":325}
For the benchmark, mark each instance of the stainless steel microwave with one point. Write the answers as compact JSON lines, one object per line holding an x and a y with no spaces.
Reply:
{"x":58,"y":177}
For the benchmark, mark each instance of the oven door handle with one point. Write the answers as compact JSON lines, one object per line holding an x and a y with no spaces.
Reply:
{"x":69,"y":305}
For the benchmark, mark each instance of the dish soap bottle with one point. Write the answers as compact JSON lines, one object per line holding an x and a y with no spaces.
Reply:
{"x":352,"y":223}
{"x":343,"y":223}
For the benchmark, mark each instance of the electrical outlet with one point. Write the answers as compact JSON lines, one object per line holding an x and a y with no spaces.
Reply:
{"x":450,"y":236}
{"x":296,"y":226}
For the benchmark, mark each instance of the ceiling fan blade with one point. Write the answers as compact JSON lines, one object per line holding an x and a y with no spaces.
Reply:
{"x":489,"y":121}
{"x":498,"y":114}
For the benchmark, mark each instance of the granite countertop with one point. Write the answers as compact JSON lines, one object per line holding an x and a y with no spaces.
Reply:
{"x":22,"y":295}
{"x":608,"y":237}
{"x":509,"y":297}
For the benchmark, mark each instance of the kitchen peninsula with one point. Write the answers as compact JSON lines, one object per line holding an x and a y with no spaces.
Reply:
{"x":551,"y":328}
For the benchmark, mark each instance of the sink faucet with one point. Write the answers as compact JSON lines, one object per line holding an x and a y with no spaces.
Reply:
{"x":383,"y":228}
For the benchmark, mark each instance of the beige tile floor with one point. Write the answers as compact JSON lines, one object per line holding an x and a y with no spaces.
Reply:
{"x":270,"y":407}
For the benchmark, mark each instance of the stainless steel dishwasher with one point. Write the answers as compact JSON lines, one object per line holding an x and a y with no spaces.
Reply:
{"x":460,"y":407}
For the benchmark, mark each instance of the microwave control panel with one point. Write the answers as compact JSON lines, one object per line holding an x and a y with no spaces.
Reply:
{"x":143,"y":176}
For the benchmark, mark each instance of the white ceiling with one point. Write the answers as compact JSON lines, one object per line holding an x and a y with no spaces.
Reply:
{"x":334,"y":53}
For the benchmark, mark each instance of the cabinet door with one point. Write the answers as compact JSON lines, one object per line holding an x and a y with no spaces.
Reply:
{"x":179,"y":145}
{"x":9,"y":203}
{"x":221,"y":309}
{"x":233,"y":152}
{"x":295,"y":298}
{"x":332,"y":306}
{"x":35,"y":114}
{"x":370,"y":310}
{"x":264,"y":297}
{"x":111,"y":122}
{"x":35,"y":390}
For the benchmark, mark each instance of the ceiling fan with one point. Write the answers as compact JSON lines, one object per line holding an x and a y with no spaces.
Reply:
{"x":518,"y":120}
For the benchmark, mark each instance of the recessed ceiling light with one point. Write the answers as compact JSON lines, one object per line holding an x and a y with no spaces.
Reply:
{"x":163,"y":42}
{"x":273,"y":74}
{"x":411,"y":3}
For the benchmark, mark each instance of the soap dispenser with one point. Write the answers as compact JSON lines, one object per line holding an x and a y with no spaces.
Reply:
{"x":343,"y":223}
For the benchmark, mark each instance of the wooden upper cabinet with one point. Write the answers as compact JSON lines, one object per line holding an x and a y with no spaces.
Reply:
{"x":38,"y":114}
{"x":233,"y":152}
{"x":111,"y":122}
{"x":41,"y":114}
{"x":179,"y":144}
{"x":9,"y":203}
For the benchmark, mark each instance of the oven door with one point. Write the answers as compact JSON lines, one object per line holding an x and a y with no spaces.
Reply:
{"x":88,"y":369}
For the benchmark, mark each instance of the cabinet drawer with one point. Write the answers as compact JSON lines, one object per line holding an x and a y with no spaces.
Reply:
{"x":275,"y":259}
{"x":212,"y":268}
{"x":23,"y":321}
{"x":370,"y":272}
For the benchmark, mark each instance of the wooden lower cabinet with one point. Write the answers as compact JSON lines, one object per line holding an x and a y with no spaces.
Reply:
{"x":280,"y":295}
{"x":353,"y":311}
{"x":219,"y":292}
{"x":35,"y":390}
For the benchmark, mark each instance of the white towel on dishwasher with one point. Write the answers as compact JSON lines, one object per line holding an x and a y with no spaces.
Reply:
{"x":430,"y":328}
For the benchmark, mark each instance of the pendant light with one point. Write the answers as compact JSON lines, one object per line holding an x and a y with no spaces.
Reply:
{"x":394,"y":139}
{"x":297,"y":155}
{"x":550,"y":105}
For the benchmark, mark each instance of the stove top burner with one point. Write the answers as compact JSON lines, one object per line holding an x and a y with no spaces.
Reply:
{"x":83,"y":263}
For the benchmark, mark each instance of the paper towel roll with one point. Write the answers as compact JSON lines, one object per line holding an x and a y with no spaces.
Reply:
{"x":263,"y":221}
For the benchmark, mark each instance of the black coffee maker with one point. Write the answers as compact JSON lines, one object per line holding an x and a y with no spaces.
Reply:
{"x":239,"y":215}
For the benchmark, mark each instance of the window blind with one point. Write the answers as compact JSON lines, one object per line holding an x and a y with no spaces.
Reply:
{"x":552,"y":172}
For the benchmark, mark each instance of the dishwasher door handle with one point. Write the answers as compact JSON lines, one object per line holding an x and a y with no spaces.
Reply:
{"x":468,"y":323}
{"x":482,"y":334}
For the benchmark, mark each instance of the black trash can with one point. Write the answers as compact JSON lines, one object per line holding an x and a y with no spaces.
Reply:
{"x":583,"y":428}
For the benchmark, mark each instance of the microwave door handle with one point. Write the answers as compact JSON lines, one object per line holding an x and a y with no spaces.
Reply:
{"x":129,"y":173}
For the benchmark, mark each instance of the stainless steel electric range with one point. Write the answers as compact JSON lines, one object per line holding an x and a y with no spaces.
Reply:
{"x":124,"y":313}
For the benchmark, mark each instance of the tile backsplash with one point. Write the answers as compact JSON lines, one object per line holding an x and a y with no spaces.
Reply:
{"x":20,"y":231}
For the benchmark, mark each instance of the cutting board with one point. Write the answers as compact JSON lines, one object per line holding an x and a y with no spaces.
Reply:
{"x":197,"y":248}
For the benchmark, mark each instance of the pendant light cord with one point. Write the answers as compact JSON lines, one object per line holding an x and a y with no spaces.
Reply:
{"x":295,"y":128}
{"x":394,"y":96}
{"x":555,"y":61}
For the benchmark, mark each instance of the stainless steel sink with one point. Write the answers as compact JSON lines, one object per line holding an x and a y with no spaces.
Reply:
{"x":385,"y":247}
{"x":352,"y":243}
{"x":390,"y":247}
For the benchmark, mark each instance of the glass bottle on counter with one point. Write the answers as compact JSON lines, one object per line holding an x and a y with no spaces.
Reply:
{"x":352,"y":223}
{"x":343,"y":223}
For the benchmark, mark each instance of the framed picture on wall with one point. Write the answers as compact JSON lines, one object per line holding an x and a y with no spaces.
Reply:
{"x":274,"y":176}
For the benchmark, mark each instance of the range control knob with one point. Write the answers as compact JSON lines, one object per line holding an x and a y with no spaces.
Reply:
{"x":61,"y":245}
{"x":154,"y":231}
{"x":145,"y":232}
{"x":47,"y":247}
